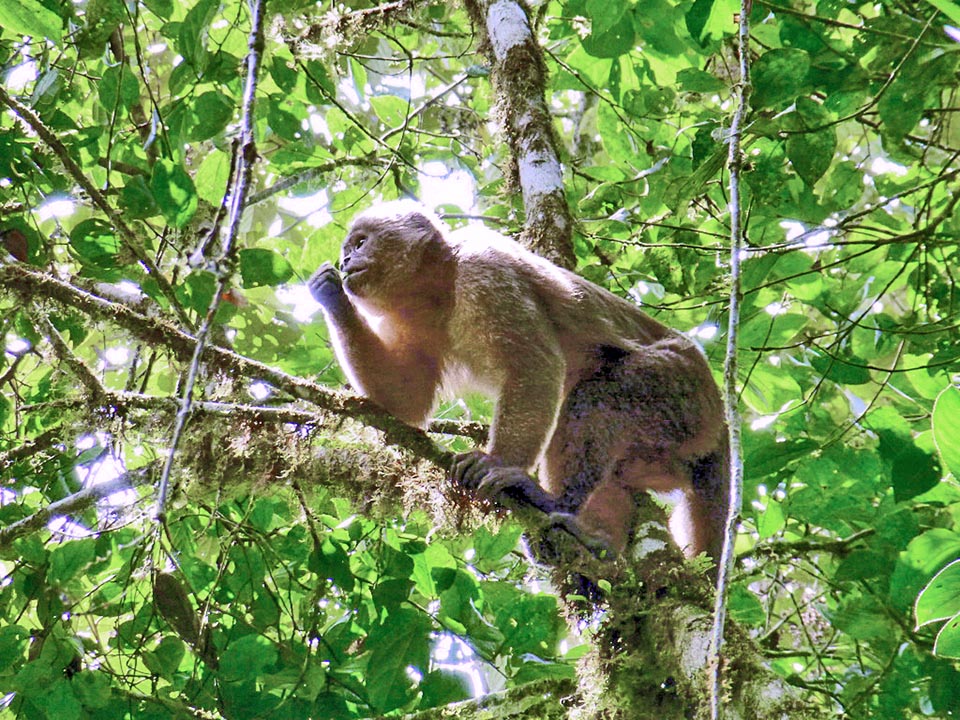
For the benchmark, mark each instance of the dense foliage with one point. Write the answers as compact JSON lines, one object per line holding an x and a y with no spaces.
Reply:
{"x":269,"y":593}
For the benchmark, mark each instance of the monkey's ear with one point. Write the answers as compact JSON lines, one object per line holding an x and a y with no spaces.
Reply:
{"x":421,"y":224}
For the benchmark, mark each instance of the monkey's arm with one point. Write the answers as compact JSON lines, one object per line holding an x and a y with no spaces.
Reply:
{"x":402,"y":381}
{"x":525,"y":416}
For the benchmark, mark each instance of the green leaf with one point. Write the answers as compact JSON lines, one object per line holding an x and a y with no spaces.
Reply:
{"x":164,"y":660}
{"x":697,"y":16}
{"x":259,"y":266}
{"x":778,"y":76}
{"x":442,"y":687}
{"x":174,"y":191}
{"x":611,"y":43}
{"x":402,"y":641}
{"x":914,"y":470}
{"x":771,"y":520}
{"x":29,"y":17}
{"x":92,"y":688}
{"x":948,"y":8}
{"x":95,"y":243}
{"x":118,"y":88}
{"x":283,"y":122}
{"x":947,"y":644}
{"x":192,"y":35}
{"x":604,"y":14}
{"x":136,"y":200}
{"x":391,"y":109}
{"x":13,"y":645}
{"x":212,"y":176}
{"x":329,"y":561}
{"x":811,"y":153}
{"x":946,"y":428}
{"x":535,"y":668}
{"x":492,"y":548}
{"x":58,"y":701}
{"x":69,"y":559}
{"x":744,"y":606}
{"x":940,"y":599}
{"x":212,"y":112}
{"x":246,"y":658}
{"x":698,"y":81}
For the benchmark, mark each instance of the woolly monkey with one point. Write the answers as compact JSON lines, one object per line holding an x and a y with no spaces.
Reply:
{"x":601,"y":399}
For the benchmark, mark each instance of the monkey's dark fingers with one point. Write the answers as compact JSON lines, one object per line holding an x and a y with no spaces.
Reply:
{"x":515,"y":484}
{"x":325,"y":285}
{"x":468,"y":469}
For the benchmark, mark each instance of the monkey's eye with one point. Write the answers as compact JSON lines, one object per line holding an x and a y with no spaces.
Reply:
{"x":359,"y":240}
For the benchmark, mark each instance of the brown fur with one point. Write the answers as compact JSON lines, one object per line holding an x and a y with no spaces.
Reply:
{"x":604,"y":400}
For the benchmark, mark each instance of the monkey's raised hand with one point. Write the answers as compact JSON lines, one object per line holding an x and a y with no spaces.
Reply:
{"x":326,"y":286}
{"x":490,"y":479}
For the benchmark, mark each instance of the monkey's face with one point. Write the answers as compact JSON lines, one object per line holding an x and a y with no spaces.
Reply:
{"x":381,"y":257}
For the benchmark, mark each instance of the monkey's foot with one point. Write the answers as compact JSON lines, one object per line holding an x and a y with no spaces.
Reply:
{"x":486,"y":476}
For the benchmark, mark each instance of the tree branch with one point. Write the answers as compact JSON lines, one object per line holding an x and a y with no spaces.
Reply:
{"x":519,"y":75}
{"x":77,"y":502}
{"x":30,"y":283}
{"x":116,"y":219}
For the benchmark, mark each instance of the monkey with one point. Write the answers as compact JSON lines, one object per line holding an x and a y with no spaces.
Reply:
{"x":601,"y":400}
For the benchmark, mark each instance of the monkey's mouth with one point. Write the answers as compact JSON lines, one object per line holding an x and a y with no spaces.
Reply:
{"x":352,"y":275}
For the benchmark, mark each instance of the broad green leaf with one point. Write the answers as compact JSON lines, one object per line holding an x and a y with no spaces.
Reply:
{"x":259,"y":266}
{"x":69,"y":559}
{"x":913,"y":469}
{"x":29,"y":17}
{"x":940,"y":599}
{"x":698,"y":81}
{"x":94,"y":242}
{"x":165,"y":658}
{"x":213,"y":111}
{"x":13,"y":645}
{"x":246,"y":658}
{"x":136,"y":199}
{"x":92,"y":688}
{"x":811,"y":154}
{"x":534,"y":668}
{"x":771,"y":519}
{"x":193,"y":31}
{"x":492,"y":547}
{"x":174,"y":191}
{"x":118,"y":88}
{"x":391,"y":109}
{"x":947,"y":644}
{"x":604,"y":14}
{"x":442,"y":687}
{"x":779,"y":75}
{"x":59,"y":701}
{"x":697,"y":17}
{"x":402,"y":641}
{"x":948,"y":8}
{"x":212,"y":175}
{"x":946,"y":428}
{"x":613,"y":42}
{"x":745,"y":607}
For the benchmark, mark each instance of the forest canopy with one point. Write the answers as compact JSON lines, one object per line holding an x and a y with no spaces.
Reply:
{"x":169,"y":178}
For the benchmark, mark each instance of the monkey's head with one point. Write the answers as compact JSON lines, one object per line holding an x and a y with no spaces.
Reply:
{"x":387,"y":247}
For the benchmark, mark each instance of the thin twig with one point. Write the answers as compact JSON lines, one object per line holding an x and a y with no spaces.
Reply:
{"x":731,"y":412}
{"x":238,"y":197}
